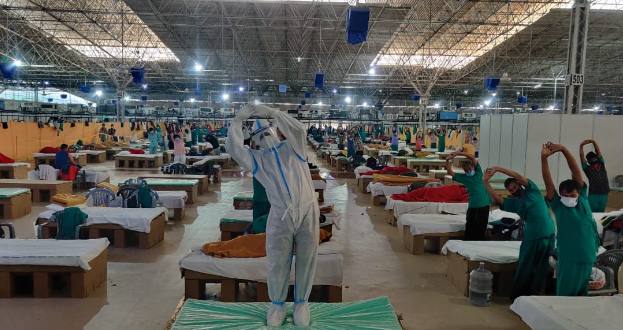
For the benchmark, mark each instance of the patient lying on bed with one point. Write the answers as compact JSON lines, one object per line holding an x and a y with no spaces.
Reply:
{"x":247,"y":246}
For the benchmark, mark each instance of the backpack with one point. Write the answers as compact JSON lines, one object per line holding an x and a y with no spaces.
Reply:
{"x":371,"y":162}
{"x":402,"y":153}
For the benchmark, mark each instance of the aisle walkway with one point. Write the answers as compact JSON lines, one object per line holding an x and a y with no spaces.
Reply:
{"x":144,"y":286}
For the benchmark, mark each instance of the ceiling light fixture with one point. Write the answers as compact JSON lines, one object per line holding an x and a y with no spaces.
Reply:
{"x":347,"y":99}
{"x":537,"y":86}
{"x":98,"y":93}
{"x":192,"y":100}
{"x":225,"y":96}
{"x":17,"y":63}
{"x":198,"y":67}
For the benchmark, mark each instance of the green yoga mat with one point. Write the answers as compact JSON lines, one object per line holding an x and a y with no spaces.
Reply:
{"x":12,"y":192}
{"x":375,"y":314}
{"x":171,"y":182}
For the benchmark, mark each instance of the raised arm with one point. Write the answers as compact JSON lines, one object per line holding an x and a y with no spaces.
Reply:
{"x":290,"y":127}
{"x":449,"y":166}
{"x":494,"y":196}
{"x":235,"y":140}
{"x":576,"y":172}
{"x":522,"y":180}
{"x":547,"y":176}
{"x":582,"y":157}
{"x":597,"y":150}
{"x":471,"y":157}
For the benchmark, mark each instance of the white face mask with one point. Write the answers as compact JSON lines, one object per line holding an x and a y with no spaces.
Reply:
{"x":177,"y":139}
{"x":569,"y":201}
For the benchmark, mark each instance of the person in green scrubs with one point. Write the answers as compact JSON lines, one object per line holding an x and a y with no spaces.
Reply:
{"x":478,"y":200}
{"x":441,"y":139}
{"x":577,"y":240}
{"x":538,"y":240}
{"x":595,"y":169}
{"x":362,"y":134}
{"x":408,"y":135}
{"x":261,"y":206}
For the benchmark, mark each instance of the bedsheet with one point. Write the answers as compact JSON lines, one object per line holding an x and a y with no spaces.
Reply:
{"x":92,"y":152}
{"x":380,"y":189}
{"x":329,"y":269}
{"x":49,"y":252}
{"x":12,"y":192}
{"x":570,"y":313}
{"x":173,"y":199}
{"x":15,"y":165}
{"x":131,"y":219}
{"x":319,"y":184}
{"x":443,"y":223}
{"x":129,"y":155}
{"x":400,"y":207}
{"x":332,"y":218}
{"x":497,"y":252}
{"x":171,"y":182}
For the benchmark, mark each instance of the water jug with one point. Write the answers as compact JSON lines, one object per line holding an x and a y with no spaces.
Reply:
{"x":480,"y":286}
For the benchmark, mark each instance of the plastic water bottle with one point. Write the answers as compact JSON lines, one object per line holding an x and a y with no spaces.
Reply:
{"x":480,"y":286}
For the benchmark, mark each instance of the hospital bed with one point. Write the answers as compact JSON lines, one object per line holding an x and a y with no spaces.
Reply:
{"x":40,"y":263}
{"x":224,"y":160}
{"x":133,"y":161}
{"x":50,"y":159}
{"x":381,"y":193}
{"x":358,"y":315}
{"x":396,"y":208}
{"x":42,"y":191}
{"x":191,"y":187}
{"x":418,"y":228}
{"x":203,"y":180}
{"x":423,"y":165}
{"x":14,"y":202}
{"x":500,"y":258}
{"x":14,"y":171}
{"x":319,"y":187}
{"x":234,"y":223}
{"x":243,"y":200}
{"x":199,"y":269}
{"x":94,"y":156}
{"x":174,"y":200}
{"x":570,"y":313}
{"x":146,"y":224}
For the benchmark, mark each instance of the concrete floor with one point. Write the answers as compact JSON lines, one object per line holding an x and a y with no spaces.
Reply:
{"x":144,"y":286}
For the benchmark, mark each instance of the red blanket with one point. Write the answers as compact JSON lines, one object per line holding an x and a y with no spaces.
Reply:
{"x":137,"y":152}
{"x":398,"y":170}
{"x":446,"y":194}
{"x":6,"y":160}
{"x":49,"y":150}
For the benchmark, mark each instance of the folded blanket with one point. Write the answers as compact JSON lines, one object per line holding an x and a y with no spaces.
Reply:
{"x":49,"y":150}
{"x":423,"y":154}
{"x":318,"y":177}
{"x":326,"y":209}
{"x":107,"y":185}
{"x":68,"y":200}
{"x":247,"y":246}
{"x":445,"y":194}
{"x":397,"y":180}
{"x":137,"y":152}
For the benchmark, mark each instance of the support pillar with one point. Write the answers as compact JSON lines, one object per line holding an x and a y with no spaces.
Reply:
{"x":423,"y":113}
{"x":578,"y":33}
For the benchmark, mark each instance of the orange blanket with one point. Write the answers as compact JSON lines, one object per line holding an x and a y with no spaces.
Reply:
{"x":397,"y":180}
{"x":317,"y":177}
{"x":67,"y":200}
{"x":247,"y":246}
{"x":107,"y":185}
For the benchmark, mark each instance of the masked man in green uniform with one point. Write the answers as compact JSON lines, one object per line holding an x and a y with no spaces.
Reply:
{"x":595,"y":169}
{"x":577,"y":240}
{"x":538,"y":240}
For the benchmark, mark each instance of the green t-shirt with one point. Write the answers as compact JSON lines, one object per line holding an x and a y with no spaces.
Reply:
{"x":577,"y":239}
{"x":533,"y":210}
{"x":478,"y":195}
{"x":259,"y":193}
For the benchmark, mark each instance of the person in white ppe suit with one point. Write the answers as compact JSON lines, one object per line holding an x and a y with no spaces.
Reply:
{"x":281,"y":167}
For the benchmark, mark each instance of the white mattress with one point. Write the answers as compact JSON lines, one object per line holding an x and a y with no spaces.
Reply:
{"x":329,"y":267}
{"x":200,"y":160}
{"x":92,"y":152}
{"x":570,"y":313}
{"x":497,"y":252}
{"x":443,"y":223}
{"x":129,"y":155}
{"x":49,"y":252}
{"x":131,"y":219}
{"x":379,"y":189}
{"x":598,"y":216}
{"x":401,"y":207}
{"x":361,"y":169}
{"x":15,"y":165}
{"x":95,"y":175}
{"x":74,"y":155}
{"x":319,"y":184}
{"x":173,"y":199}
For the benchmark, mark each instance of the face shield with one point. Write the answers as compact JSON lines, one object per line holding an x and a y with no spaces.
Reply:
{"x":264,"y":135}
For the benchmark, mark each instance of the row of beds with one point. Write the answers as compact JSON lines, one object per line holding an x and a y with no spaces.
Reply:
{"x":84,"y":261}
{"x":439,"y":227}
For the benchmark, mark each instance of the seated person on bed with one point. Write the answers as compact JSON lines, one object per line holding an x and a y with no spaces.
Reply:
{"x":63,"y":158}
{"x":538,"y":240}
{"x":577,"y":240}
{"x":478,"y":202}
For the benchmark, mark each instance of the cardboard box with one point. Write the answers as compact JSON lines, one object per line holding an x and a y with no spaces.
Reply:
{"x":459,"y":268}
{"x":417,"y":244}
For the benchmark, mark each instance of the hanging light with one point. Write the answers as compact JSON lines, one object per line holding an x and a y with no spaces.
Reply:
{"x":365,"y":104}
{"x":334,"y":91}
{"x":192,"y":100}
{"x":198,"y":67}
{"x":298,"y":59}
{"x":98,"y":93}
{"x":494,"y":94}
{"x":347,"y":99}
{"x":241,"y":89}
{"x":144,"y":86}
{"x":487,"y":102}
{"x":537,"y":86}
{"x":319,"y":102}
{"x":372,"y":71}
{"x":127,"y":98}
{"x":465,"y":92}
{"x":225,"y":96}
{"x":17,"y":63}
